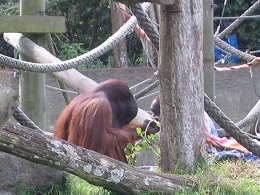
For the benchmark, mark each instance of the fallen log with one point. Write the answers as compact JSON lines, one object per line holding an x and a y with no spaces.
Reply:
{"x":93,"y":167}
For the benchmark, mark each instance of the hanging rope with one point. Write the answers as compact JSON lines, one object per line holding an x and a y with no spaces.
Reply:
{"x":232,"y":129}
{"x":145,"y":22}
{"x":226,"y":47}
{"x":237,"y":22}
{"x":73,"y":63}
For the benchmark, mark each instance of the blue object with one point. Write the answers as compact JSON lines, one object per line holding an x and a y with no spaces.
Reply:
{"x":248,"y":157}
{"x":231,"y":39}
{"x":213,"y":129}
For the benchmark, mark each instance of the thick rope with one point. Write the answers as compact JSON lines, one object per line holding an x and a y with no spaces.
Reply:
{"x":237,"y":22}
{"x":223,"y":45}
{"x":214,"y":111}
{"x":145,"y":22}
{"x":72,"y":63}
{"x":20,"y":116}
{"x":243,"y":125}
{"x":228,"y":48}
{"x":248,"y":120}
{"x":230,"y":127}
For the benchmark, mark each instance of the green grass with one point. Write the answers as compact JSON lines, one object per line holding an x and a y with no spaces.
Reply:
{"x":227,"y":178}
{"x":223,"y":178}
{"x":72,"y":185}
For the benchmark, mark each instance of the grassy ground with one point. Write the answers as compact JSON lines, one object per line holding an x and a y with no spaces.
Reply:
{"x":228,"y":178}
{"x":223,"y":178}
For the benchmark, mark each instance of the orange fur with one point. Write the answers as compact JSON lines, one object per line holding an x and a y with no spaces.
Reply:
{"x":88,"y":121}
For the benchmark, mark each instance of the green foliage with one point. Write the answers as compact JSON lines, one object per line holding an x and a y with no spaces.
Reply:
{"x":87,"y":22}
{"x":72,"y":185}
{"x":248,"y":32}
{"x":135,"y":51}
{"x":69,"y":51}
{"x":148,"y":142}
{"x":78,"y":186}
{"x":8,"y":7}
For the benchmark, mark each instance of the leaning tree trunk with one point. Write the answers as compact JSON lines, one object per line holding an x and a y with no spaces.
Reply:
{"x":91,"y":166}
{"x":181,"y":84}
{"x":35,"y":146}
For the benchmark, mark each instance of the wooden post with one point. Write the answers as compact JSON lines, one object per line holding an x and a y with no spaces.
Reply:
{"x":208,"y":48}
{"x":32,"y":85}
{"x":181,"y":84}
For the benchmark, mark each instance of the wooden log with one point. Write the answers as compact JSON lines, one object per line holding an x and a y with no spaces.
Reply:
{"x":8,"y":102}
{"x":32,"y":24}
{"x":93,"y":167}
{"x":71,"y":77}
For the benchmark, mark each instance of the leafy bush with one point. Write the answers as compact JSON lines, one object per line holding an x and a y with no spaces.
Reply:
{"x":70,"y":51}
{"x":149,"y":142}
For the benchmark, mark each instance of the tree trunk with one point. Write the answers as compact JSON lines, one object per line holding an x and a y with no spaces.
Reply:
{"x":181,"y":84}
{"x":93,"y":167}
{"x":120,"y":50}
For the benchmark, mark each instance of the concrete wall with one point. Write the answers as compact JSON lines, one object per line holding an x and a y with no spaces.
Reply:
{"x":14,"y":169}
{"x":236,"y":94}
{"x":237,"y":91}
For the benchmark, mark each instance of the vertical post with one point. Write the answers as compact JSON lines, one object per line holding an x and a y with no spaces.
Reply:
{"x":208,"y":48}
{"x":181,"y":85}
{"x":32,"y":85}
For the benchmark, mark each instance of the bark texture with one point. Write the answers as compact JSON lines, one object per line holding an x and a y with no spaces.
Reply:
{"x":93,"y":167}
{"x":181,"y":84}
{"x":120,"y":50}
